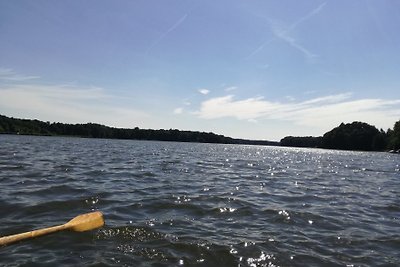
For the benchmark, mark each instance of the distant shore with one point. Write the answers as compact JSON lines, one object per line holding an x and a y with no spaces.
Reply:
{"x":92,"y":130}
{"x":352,"y":136}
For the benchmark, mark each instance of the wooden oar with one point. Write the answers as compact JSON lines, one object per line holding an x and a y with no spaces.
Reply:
{"x":83,"y":222}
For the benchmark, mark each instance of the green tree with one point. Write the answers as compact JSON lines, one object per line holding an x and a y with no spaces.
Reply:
{"x":394,"y":136}
{"x":354,"y":136}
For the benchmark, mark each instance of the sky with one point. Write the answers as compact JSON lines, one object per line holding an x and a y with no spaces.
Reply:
{"x":242,"y":68}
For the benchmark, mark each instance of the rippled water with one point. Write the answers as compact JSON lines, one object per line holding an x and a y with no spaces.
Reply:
{"x":171,"y":204}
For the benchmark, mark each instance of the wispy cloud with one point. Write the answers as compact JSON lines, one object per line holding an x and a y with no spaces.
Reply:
{"x":204,"y":91}
{"x":226,"y":106}
{"x":10,"y":75}
{"x":168,"y":31}
{"x":178,"y":111}
{"x":231,"y":88}
{"x":67,"y":103}
{"x":290,"y":98}
{"x":323,"y":112}
{"x":328,"y":99}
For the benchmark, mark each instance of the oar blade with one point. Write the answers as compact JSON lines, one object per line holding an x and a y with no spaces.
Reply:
{"x":86,"y":222}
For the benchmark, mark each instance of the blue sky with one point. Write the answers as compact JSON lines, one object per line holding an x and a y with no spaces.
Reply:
{"x":248,"y":69}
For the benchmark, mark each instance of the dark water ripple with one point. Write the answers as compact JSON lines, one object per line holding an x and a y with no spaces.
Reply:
{"x":177,"y":204}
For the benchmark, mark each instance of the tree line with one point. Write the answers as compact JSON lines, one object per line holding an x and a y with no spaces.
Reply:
{"x":92,"y":130}
{"x":351,"y":136}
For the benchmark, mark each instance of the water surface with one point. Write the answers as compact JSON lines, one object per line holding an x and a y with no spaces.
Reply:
{"x":185,"y":204}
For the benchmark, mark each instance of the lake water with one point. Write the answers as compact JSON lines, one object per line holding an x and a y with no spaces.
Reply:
{"x":185,"y":204}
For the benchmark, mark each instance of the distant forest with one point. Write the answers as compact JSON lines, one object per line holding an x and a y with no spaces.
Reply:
{"x":93,"y":130}
{"x":351,"y":136}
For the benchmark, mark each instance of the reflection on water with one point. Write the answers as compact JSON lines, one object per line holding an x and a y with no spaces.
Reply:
{"x":198,"y":204}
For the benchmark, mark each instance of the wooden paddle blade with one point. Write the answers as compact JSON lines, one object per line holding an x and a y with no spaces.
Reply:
{"x":86,"y":222}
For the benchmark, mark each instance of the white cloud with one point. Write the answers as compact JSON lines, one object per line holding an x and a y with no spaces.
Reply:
{"x":204,"y":91}
{"x":68,"y":104}
{"x":10,"y":75}
{"x":378,"y":112}
{"x":328,"y":99}
{"x":231,"y":88}
{"x":290,"y":98}
{"x":251,"y":108}
{"x":320,"y":113}
{"x":178,"y":111}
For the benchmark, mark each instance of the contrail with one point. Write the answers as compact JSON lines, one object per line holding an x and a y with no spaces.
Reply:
{"x":283,"y":34}
{"x":314,"y":12}
{"x":165,"y":34}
